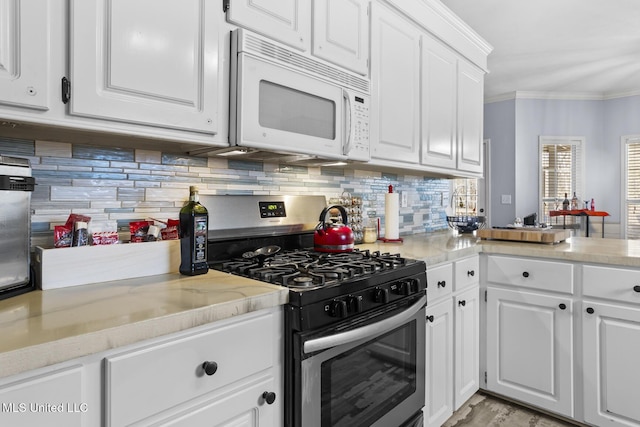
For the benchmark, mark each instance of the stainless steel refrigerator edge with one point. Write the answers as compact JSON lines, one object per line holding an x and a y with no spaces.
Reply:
{"x":16,"y":185}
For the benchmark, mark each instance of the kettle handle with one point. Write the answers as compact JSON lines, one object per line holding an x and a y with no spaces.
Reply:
{"x":326,"y":210}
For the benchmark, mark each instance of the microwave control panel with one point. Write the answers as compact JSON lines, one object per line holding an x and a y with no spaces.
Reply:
{"x":359,"y":138}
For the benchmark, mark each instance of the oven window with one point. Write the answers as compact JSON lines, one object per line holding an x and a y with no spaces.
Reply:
{"x":362,"y":385}
{"x":291,"y":110}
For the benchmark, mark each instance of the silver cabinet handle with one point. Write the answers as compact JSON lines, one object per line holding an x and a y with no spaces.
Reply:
{"x":365,"y":331}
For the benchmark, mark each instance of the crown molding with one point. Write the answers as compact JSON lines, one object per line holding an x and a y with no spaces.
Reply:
{"x":567,"y":96}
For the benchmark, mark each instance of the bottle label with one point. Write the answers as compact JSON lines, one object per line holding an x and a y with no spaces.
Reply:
{"x":200,"y":239}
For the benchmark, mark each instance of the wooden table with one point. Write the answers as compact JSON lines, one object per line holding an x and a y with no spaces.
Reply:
{"x":580,"y":212}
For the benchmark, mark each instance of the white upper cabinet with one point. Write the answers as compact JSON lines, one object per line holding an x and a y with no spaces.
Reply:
{"x":24,"y":53}
{"x":439,"y":80}
{"x":395,"y":80}
{"x":452,"y":109}
{"x":341,"y":33}
{"x":149,"y":62}
{"x":470,"y":117}
{"x":287,"y":21}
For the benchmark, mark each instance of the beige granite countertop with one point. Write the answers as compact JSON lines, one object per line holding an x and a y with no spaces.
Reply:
{"x":435,"y":248}
{"x":42,"y":328}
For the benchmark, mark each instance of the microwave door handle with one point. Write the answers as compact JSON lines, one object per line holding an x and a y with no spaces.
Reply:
{"x":347,"y":127}
{"x":374,"y":329}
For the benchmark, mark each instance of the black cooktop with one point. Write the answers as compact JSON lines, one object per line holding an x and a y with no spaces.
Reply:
{"x":313,"y":276}
{"x":305,"y":269}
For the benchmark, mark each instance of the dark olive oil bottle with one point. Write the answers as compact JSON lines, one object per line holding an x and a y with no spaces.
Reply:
{"x":194,"y":224}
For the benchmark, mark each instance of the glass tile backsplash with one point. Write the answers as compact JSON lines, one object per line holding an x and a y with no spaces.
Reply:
{"x":117,"y":185}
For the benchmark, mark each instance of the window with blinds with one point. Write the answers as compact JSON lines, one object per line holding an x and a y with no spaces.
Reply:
{"x":561,"y":172}
{"x":632,"y":187}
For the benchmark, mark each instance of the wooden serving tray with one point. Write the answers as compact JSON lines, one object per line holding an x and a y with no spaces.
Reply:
{"x":525,"y":234}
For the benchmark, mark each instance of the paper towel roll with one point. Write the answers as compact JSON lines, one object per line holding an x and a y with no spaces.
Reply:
{"x":391,"y":216}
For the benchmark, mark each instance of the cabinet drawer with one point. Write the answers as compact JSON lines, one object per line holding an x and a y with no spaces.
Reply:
{"x":439,"y":282}
{"x":619,"y":284}
{"x":148,"y":380}
{"x":467,"y":272}
{"x":31,"y":401}
{"x":543,"y":275}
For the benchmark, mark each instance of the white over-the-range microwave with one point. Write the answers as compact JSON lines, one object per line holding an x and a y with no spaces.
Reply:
{"x":283,"y":101}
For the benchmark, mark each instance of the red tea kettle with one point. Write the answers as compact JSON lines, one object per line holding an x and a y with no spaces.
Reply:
{"x":334,"y":237}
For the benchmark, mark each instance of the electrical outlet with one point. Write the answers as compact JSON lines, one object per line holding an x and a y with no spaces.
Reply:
{"x":404,"y":199}
{"x":506,"y":199}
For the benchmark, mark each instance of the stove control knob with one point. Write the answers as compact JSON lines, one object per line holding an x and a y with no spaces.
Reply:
{"x":355,"y":303}
{"x":381,"y":295}
{"x":407,"y":287}
{"x":338,"y":308}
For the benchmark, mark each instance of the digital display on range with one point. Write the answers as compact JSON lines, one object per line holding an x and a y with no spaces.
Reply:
{"x":272,"y":210}
{"x":359,"y":99}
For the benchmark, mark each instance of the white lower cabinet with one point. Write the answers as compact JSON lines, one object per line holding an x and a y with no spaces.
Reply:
{"x":55,"y":398}
{"x":611,"y":345}
{"x":467,"y":346}
{"x":452,"y":338}
{"x":184,"y":377}
{"x":530,"y":348}
{"x":439,"y":363}
{"x":611,"y":340}
{"x":243,"y":406}
{"x":226,"y":373}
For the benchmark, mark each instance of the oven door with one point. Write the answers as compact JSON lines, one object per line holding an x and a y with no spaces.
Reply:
{"x":283,"y":110}
{"x":369,"y":373}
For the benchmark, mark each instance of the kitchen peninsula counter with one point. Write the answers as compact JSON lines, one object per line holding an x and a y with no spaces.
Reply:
{"x":435,"y":248}
{"x":42,"y":328}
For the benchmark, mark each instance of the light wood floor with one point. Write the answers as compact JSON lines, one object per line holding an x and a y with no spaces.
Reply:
{"x":484,"y":410}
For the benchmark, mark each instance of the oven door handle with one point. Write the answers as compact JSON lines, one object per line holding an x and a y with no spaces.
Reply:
{"x":374,"y":329}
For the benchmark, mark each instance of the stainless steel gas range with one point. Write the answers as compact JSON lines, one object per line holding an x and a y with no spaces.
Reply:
{"x":355,"y":321}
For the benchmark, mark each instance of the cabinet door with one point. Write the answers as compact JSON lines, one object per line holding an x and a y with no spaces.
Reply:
{"x":611,"y":339}
{"x":149,"y":61}
{"x":52,"y":399}
{"x":467,"y":345}
{"x":242,"y":407}
{"x":287,"y":21}
{"x":395,"y":75}
{"x":439,"y":80}
{"x":439,"y":363}
{"x":470,"y":117}
{"x":24,"y":54}
{"x":341,"y":33}
{"x":467,"y":273}
{"x":174,"y":371}
{"x":530,"y":348}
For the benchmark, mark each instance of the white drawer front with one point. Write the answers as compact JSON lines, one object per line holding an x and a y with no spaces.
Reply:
{"x":467,"y":272}
{"x":143,"y":382}
{"x":619,"y":284}
{"x":53,"y":399}
{"x":439,"y":282}
{"x":543,"y":275}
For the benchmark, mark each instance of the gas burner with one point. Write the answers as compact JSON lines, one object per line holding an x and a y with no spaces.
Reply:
{"x":301,"y":280}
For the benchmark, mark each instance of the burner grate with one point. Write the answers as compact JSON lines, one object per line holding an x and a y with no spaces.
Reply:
{"x":307,"y":269}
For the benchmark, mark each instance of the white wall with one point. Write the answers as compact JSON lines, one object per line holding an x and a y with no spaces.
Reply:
{"x":499,"y":126}
{"x":601,"y":122}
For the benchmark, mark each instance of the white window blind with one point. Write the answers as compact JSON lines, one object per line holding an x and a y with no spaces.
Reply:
{"x":561,"y":172}
{"x":632,"y":187}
